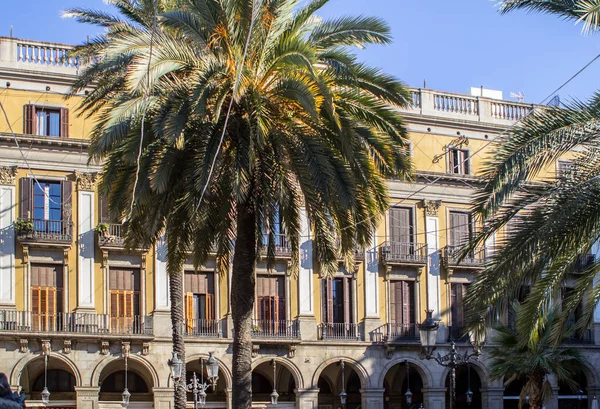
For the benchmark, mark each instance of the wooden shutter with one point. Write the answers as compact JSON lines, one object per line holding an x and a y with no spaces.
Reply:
{"x":29,"y":120}
{"x":64,"y":122}
{"x":121,"y":310}
{"x":464,"y":158}
{"x":43,"y":308}
{"x":190,"y":313}
{"x":405,"y":302}
{"x":451,"y":160}
{"x":460,"y":228}
{"x":347,"y":312}
{"x":210,"y":312}
{"x":104,"y":216}
{"x":394,"y":302}
{"x":67,"y":193}
{"x":401,"y":228}
{"x":329,"y":300}
{"x":26,"y":192}
{"x":457,"y":306}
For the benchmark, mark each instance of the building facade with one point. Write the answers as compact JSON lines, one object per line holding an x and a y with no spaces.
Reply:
{"x":70,"y":291}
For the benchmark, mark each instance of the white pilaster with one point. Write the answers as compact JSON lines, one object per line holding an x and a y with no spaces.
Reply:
{"x":162,"y":299}
{"x":371,"y":276}
{"x":7,"y":245}
{"x":86,"y":249}
{"x":305,"y":277}
{"x":596,"y":252}
{"x":433,"y":265}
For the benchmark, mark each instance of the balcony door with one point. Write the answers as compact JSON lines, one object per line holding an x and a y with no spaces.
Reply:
{"x":402,"y":308}
{"x":458,"y":292}
{"x":270,"y":299}
{"x":461,"y":229}
{"x":124,"y":298}
{"x":48,"y":203}
{"x":401,"y":230}
{"x":199,"y":301}
{"x":46,"y":296}
{"x":337,"y":297}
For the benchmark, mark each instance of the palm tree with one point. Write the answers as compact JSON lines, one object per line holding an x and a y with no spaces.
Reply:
{"x":512,"y":358}
{"x":553,"y":222}
{"x":251,"y":110}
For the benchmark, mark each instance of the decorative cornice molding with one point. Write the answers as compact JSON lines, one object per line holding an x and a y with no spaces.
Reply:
{"x":86,"y":181}
{"x":431,"y":207}
{"x":7,"y":175}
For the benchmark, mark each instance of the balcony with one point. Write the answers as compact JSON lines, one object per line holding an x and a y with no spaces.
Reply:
{"x":338,"y":331}
{"x":275,"y":329}
{"x":202,"y":328}
{"x":74,"y":323}
{"x":45,"y":232}
{"x":110,"y":235}
{"x":428,"y":102}
{"x":474,"y":260}
{"x":359,"y":254}
{"x":282,"y":248}
{"x":396,"y":333}
{"x":403,"y":254}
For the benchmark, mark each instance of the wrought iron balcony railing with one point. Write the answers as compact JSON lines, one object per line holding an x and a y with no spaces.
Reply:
{"x":475,"y":258}
{"x":112,"y":237}
{"x":73,"y":322}
{"x":281,"y":244}
{"x":339,"y":331}
{"x":393,"y":332}
{"x":280,"y":329}
{"x":204,"y":328}
{"x":44,"y":231}
{"x":392,"y":252}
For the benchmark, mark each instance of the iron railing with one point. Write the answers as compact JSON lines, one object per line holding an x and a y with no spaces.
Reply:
{"x":45,"y":230}
{"x":403,"y":253}
{"x":74,"y":322}
{"x":275,"y":329}
{"x":114,"y":236}
{"x":475,"y":258}
{"x":393,"y":332}
{"x":339,"y":331}
{"x":203,"y":328}
{"x":282,"y":247}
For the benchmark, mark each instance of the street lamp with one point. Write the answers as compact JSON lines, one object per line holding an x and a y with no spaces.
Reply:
{"x":212,"y":368}
{"x":408,"y":394}
{"x":428,"y":336}
{"x":45,"y":391}
{"x":274,"y":394}
{"x":198,"y":389}
{"x":469,"y":391}
{"x":125,"y":395}
{"x":176,"y":366}
{"x":343,"y":394}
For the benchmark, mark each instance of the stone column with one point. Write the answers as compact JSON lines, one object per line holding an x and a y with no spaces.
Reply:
{"x":553,"y":402}
{"x":372,"y":398}
{"x":307,"y":398}
{"x":434,"y":398}
{"x":163,"y":398}
{"x":85,"y":237}
{"x":87,"y":397}
{"x":306,"y":300}
{"x":492,"y":397}
{"x":228,"y":398}
{"x":7,"y":237}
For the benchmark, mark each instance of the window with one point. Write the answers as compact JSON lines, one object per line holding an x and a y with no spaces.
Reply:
{"x":199,"y":302}
{"x":402,"y":308}
{"x":337,"y":297}
{"x":401,"y":226}
{"x":124,"y":298}
{"x":44,"y":201}
{"x":458,"y":292}
{"x":461,"y":228}
{"x":46,"y":296}
{"x":458,"y":161}
{"x":46,"y":121}
{"x":270,"y":298}
{"x":47,"y":201}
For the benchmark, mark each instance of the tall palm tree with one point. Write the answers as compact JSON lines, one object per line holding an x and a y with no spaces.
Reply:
{"x":552,"y":221}
{"x":306,"y":126}
{"x":514,"y":359}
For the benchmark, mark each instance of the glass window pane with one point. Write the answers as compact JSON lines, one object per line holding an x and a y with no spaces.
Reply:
{"x":54,"y":123}
{"x":41,"y":123}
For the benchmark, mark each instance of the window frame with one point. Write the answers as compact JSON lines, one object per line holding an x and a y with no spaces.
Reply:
{"x":465,"y":168}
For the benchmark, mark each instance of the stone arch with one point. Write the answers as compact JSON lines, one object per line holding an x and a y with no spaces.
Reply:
{"x":97,"y":372}
{"x":15,"y":375}
{"x":354,"y":364}
{"x":222,"y":368}
{"x":288,"y":364}
{"x":423,"y":371}
{"x":475,"y":365}
{"x":590,"y":374}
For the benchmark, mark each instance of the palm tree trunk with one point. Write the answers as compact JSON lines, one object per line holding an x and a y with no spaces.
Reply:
{"x":242,"y":303}
{"x":177,"y":315}
{"x":535,"y":400}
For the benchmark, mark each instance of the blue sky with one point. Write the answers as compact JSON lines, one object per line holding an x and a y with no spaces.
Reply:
{"x":453,"y":45}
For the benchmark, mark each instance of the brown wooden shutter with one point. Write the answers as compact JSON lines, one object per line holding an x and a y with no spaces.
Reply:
{"x":29,"y":120}
{"x":210,"y":312}
{"x":64,"y":122}
{"x":405,"y":303}
{"x":26,"y":191}
{"x":347,"y":313}
{"x":104,"y":216}
{"x":464,"y":157}
{"x":460,"y":228}
{"x":329,"y":301}
{"x":451,"y":161}
{"x":67,"y":193}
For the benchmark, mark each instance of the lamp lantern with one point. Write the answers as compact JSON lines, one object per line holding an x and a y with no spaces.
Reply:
{"x":428,"y":334}
{"x":176,"y":366}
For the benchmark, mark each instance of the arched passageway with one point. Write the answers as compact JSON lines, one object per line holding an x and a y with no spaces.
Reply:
{"x":466,"y":378}
{"x":262,"y":383}
{"x":217,"y":398}
{"x":330,"y":386}
{"x":398,"y":380}
{"x":574,"y":396}
{"x":60,"y":381}
{"x":112,"y":382}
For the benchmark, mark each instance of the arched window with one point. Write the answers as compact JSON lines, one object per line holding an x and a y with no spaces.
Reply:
{"x":115,"y":382}
{"x":58,"y":381}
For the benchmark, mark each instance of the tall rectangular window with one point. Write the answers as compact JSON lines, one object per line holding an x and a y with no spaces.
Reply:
{"x":461,"y":228}
{"x":401,"y":230}
{"x":124,"y":286}
{"x":458,"y":292}
{"x":337,"y":301}
{"x":46,"y":296}
{"x":199,"y":301}
{"x":458,"y":161}
{"x":270,"y":298}
{"x":47,"y":201}
{"x":46,"y":121}
{"x":402,"y":303}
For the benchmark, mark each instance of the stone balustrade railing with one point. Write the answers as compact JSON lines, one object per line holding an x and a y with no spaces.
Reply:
{"x":26,"y":55}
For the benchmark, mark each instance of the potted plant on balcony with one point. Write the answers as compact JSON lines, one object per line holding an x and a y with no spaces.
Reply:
{"x":24,"y":228}
{"x":102,"y":229}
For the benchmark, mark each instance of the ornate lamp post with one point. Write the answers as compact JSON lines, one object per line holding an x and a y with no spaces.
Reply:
{"x":274,"y":394}
{"x":469,"y":391}
{"x":428,"y":337}
{"x":343,"y":394}
{"x":125,"y":395}
{"x":408,"y":394}
{"x":198,"y":389}
{"x":45,"y":391}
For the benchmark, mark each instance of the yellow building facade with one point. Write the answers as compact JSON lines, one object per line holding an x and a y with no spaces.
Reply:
{"x":70,"y":292}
